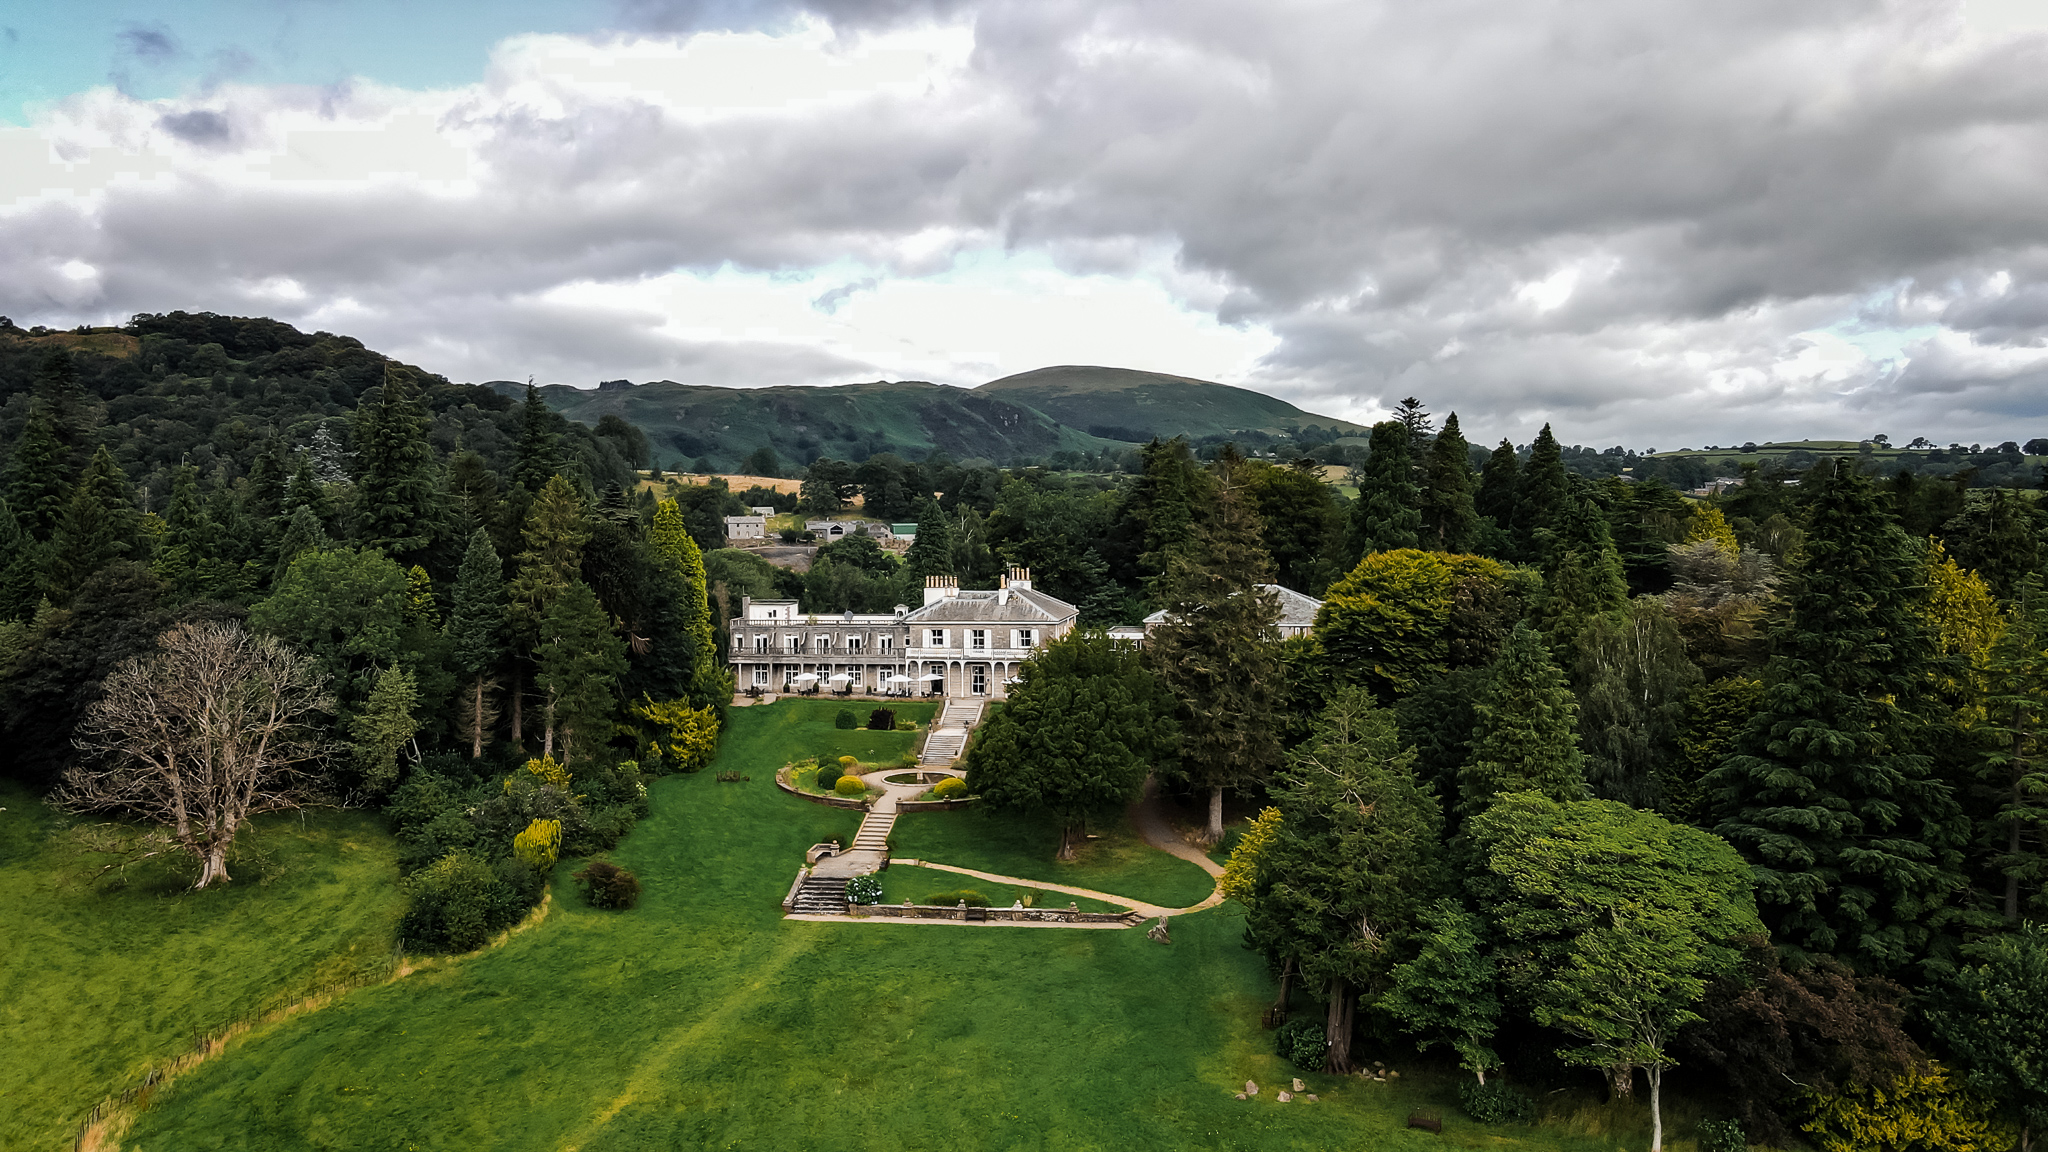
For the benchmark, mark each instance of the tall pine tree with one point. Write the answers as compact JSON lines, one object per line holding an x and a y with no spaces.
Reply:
{"x":397,"y":492}
{"x":98,"y":527}
{"x":1388,"y":514}
{"x":1543,"y":495}
{"x":539,"y":455}
{"x":1449,"y":520}
{"x":1526,"y":738}
{"x":1218,"y":649}
{"x":931,"y":553}
{"x":704,"y":678}
{"x":1495,"y":500}
{"x":1831,"y":794}
{"x":476,"y":634}
{"x":551,"y":560}
{"x":39,"y":476}
{"x":580,"y":659}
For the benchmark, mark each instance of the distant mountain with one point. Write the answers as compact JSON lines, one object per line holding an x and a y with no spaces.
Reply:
{"x":850,"y":422}
{"x":1124,"y":404}
{"x":1030,"y":415}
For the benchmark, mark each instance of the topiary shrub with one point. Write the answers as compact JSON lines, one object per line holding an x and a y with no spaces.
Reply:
{"x":906,"y":726}
{"x":864,"y":890}
{"x":848,"y":764}
{"x":850,"y":786}
{"x":1722,"y":1136}
{"x":606,"y":885}
{"x":972,"y":898}
{"x":1495,"y":1103}
{"x":1304,"y":1042}
{"x":882,"y":720}
{"x":845,"y":719}
{"x":950,"y":786}
{"x":828,"y":775}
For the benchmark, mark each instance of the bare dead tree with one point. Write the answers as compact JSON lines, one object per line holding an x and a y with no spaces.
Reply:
{"x":215,"y":727}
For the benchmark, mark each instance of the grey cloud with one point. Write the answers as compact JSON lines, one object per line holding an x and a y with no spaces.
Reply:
{"x":150,"y":43}
{"x":1377,"y":182}
{"x":198,"y":126}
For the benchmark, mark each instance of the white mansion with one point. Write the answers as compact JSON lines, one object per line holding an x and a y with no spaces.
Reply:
{"x":959,"y":643}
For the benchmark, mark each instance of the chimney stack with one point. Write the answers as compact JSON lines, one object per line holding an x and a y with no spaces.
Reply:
{"x":1019,"y":578}
{"x":937,"y":588}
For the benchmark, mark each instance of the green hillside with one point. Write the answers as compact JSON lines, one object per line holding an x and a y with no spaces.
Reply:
{"x":1123,"y":404}
{"x":1027,"y":416}
{"x":684,"y":422}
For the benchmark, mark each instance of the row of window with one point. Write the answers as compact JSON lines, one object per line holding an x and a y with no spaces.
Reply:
{"x":977,"y":678}
{"x":977,"y":641}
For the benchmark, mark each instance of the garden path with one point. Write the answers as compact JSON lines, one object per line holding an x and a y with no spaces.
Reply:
{"x":1214,"y":899}
{"x":1148,"y":814}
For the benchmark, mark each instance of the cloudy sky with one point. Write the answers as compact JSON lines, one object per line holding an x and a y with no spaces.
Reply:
{"x":1652,"y":222}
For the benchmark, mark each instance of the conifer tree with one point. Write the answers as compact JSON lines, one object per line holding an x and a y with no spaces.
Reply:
{"x":1498,"y":481}
{"x":1543,"y":495}
{"x":1526,"y":738}
{"x":20,"y":568}
{"x":1449,"y":519}
{"x":705,"y":678}
{"x":539,"y":454}
{"x":1354,"y":861}
{"x":551,"y":561}
{"x":306,"y":491}
{"x":302,"y":534}
{"x":1162,"y":506}
{"x":2000,"y":538}
{"x":383,"y":728}
{"x":1856,"y":844}
{"x":397,"y":494}
{"x":931,"y":554}
{"x":1388,"y":514}
{"x":98,"y":527}
{"x":476,"y":634}
{"x":1218,"y":650}
{"x":39,"y":476}
{"x":1582,"y":574}
{"x":2016,"y":761}
{"x":580,"y":659}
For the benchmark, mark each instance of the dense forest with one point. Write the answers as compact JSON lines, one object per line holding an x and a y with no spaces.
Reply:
{"x":1573,"y":772}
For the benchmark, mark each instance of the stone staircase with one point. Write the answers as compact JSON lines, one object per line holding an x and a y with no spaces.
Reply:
{"x":948,"y":737}
{"x":874,"y":832}
{"x":821,"y":896}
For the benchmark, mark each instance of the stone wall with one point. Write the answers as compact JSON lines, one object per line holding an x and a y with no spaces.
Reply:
{"x":828,"y":801}
{"x":992,"y":915}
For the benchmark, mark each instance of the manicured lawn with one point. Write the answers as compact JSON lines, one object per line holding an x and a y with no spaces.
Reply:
{"x":100,"y":981}
{"x":904,"y":882}
{"x":774,"y":734}
{"x":701,"y":1019}
{"x":1118,"y":861}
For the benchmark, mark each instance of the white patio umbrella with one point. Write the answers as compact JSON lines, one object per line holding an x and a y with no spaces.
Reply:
{"x":806,"y":678}
{"x":839,"y":679}
{"x":900,"y":680}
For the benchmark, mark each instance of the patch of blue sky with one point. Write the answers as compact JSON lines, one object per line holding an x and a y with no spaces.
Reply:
{"x":154,"y":49}
{"x":1883,"y":345}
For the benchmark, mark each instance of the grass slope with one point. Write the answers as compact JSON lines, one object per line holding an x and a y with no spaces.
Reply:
{"x":703,"y":1020}
{"x":1123,"y":404}
{"x":98,"y":982}
{"x":1117,"y":861}
{"x":848,"y":422}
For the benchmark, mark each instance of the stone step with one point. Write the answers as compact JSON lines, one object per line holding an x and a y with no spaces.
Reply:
{"x":822,"y":895}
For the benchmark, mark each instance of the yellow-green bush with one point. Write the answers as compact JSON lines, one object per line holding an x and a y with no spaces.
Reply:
{"x":850,"y":786}
{"x":540,"y":845}
{"x":950,"y":786}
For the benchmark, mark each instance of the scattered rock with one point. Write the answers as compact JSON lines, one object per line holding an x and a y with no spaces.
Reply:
{"x":1311,"y":1097}
{"x":1393,"y":1075}
{"x":1251,"y":1088}
{"x":1240,"y":1095}
{"x":1285,"y":1096}
{"x":1159,"y":933}
{"x":1298,"y":1085}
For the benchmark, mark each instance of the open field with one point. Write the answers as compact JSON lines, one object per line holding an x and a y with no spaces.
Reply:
{"x":701,"y":1019}
{"x":100,"y":981}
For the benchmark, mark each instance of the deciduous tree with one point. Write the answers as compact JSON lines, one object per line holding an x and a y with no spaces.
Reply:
{"x":216,"y":727}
